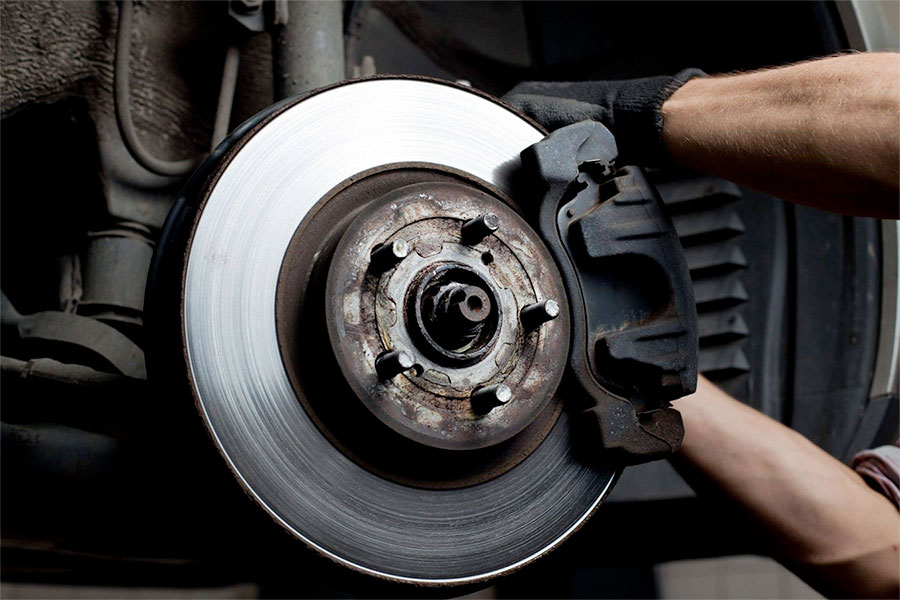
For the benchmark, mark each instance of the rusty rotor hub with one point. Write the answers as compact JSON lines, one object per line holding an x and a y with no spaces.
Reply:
{"x":439,"y":303}
{"x":425,"y":301}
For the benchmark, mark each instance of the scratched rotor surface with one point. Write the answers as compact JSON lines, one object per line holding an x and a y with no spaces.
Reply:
{"x":262,"y":191}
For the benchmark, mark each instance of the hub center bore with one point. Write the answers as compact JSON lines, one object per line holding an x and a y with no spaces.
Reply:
{"x":455,"y":313}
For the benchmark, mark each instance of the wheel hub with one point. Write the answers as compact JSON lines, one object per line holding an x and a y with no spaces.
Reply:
{"x":452,"y":306}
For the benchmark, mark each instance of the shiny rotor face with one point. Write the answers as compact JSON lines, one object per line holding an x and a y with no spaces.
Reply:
{"x":253,"y":217}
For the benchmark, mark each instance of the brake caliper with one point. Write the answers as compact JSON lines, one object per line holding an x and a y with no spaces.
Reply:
{"x":634,"y":323}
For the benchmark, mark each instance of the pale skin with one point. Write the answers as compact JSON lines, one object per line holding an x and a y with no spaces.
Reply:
{"x":824,"y":133}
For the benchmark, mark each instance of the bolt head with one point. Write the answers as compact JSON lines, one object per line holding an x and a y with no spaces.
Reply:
{"x":503,"y":394}
{"x":551,"y":309}
{"x":400,"y":248}
{"x":405,"y":361}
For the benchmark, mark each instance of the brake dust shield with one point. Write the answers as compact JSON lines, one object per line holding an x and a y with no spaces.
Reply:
{"x":260,"y":222}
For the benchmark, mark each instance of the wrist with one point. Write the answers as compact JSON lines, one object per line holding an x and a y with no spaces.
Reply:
{"x":656,"y":153}
{"x":675,"y":115}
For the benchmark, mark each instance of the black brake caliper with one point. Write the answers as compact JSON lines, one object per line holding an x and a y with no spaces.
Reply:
{"x":634,"y":322}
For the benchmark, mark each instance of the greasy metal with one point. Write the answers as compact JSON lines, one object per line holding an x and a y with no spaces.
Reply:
{"x":251,"y":207}
{"x":461,"y":304}
{"x":634,"y":319}
{"x":367,"y":315}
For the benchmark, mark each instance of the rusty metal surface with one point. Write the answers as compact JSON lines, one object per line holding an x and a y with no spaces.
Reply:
{"x":313,"y":371}
{"x":368,"y":315}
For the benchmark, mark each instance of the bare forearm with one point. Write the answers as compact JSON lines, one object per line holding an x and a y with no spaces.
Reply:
{"x":823,"y":133}
{"x":836,"y":531}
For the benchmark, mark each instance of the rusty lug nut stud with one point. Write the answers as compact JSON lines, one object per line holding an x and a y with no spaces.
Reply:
{"x":535,"y":315}
{"x":391,"y":363}
{"x":385,"y":256}
{"x":486,"y":398}
{"x":475,"y":230}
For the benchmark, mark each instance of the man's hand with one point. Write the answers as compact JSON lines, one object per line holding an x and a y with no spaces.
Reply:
{"x":630,"y":109}
{"x":824,"y":133}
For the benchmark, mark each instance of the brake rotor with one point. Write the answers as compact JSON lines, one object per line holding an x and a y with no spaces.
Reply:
{"x":373,"y":335}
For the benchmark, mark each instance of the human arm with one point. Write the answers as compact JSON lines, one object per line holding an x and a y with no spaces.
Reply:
{"x":825,"y":523}
{"x":825,"y":133}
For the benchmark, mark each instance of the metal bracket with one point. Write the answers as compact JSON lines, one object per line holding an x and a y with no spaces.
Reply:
{"x":248,"y":14}
{"x":634,"y":322}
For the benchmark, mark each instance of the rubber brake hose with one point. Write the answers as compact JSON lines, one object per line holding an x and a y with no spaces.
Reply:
{"x":121,"y":75}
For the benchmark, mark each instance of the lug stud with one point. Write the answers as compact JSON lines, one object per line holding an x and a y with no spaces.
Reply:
{"x":535,"y":315}
{"x":391,"y":363}
{"x":489,"y":397}
{"x":475,"y":230}
{"x":385,"y":256}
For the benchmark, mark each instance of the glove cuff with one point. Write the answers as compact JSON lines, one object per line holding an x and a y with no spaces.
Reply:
{"x":638,"y":120}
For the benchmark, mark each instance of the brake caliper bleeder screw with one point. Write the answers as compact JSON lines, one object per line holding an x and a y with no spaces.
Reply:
{"x":385,"y":256}
{"x":475,"y":230}
{"x":391,"y":363}
{"x":489,"y":397}
{"x":535,"y":315}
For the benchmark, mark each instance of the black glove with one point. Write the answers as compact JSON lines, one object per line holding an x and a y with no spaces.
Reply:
{"x":629,"y":108}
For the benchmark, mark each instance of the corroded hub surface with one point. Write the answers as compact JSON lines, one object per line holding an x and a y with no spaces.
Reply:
{"x":453,"y":304}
